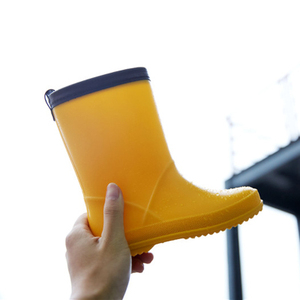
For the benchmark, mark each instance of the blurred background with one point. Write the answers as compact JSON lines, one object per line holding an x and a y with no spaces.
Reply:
{"x":225,"y":76}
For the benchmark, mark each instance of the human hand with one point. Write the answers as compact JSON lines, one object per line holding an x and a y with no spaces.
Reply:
{"x":100,"y":268}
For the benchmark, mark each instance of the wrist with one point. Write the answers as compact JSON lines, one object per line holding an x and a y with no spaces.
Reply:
{"x":84,"y":296}
{"x":91,"y":295}
{"x":80,"y":294}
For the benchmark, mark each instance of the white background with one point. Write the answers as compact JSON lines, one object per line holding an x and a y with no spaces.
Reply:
{"x":204,"y":58}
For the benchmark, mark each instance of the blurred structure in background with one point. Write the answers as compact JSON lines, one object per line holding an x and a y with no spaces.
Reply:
{"x":265,"y":154}
{"x":267,"y":123}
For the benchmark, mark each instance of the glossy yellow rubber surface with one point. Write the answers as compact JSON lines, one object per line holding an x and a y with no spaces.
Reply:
{"x":115,"y":135}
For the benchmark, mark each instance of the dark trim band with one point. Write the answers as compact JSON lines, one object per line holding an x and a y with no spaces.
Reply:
{"x":94,"y":84}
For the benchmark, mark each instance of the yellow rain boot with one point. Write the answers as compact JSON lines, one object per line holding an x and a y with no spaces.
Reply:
{"x":111,"y":130}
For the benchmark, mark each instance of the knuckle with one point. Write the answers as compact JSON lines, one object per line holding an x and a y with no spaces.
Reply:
{"x":70,"y":238}
{"x":111,"y":210}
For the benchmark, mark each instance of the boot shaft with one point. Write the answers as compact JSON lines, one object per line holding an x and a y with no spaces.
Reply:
{"x":114,"y":135}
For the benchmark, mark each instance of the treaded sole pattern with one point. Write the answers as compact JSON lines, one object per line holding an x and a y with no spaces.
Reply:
{"x":146,"y":245}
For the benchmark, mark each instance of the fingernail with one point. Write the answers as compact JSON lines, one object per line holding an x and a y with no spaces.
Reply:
{"x":112,"y":192}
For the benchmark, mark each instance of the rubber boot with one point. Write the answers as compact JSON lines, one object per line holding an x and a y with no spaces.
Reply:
{"x":112,"y":132}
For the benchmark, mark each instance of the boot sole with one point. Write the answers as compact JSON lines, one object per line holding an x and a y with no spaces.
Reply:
{"x":164,"y":232}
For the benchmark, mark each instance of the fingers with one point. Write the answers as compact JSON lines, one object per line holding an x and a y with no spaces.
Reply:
{"x":82,"y":220}
{"x":146,"y":257}
{"x":138,"y":262}
{"x":113,"y":227}
{"x":137,"y":266}
{"x":79,"y":231}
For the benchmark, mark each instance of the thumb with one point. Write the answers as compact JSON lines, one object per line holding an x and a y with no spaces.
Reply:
{"x":113,"y":226}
